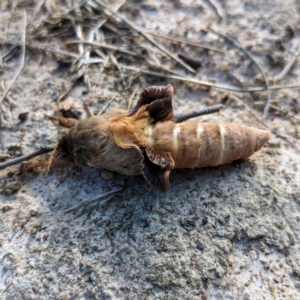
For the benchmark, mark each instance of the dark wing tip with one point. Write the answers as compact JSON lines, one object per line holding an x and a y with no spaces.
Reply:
{"x":152,"y":93}
{"x":156,"y":169}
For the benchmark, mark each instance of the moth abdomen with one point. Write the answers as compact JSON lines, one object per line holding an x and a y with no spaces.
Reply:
{"x":195,"y":145}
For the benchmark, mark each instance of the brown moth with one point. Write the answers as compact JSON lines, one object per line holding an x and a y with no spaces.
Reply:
{"x":146,"y":140}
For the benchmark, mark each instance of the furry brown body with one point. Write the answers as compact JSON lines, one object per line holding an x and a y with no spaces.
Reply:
{"x":146,"y":141}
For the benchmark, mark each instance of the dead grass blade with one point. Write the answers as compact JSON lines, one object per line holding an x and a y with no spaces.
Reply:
{"x":288,"y":66}
{"x":107,"y":47}
{"x":282,"y":74}
{"x":142,"y":33}
{"x":92,"y":199}
{"x":107,"y":104}
{"x":210,"y":84}
{"x":42,"y":49}
{"x":131,"y":97}
{"x":248,"y":55}
{"x":22,"y":59}
{"x":181,"y":40}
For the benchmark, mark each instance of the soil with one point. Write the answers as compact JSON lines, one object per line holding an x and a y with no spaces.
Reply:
{"x":227,"y":232}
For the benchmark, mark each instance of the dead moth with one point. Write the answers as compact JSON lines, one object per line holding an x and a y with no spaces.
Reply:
{"x":146,"y":141}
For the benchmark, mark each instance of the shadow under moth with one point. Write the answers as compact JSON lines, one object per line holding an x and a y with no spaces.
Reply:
{"x":147,"y":141}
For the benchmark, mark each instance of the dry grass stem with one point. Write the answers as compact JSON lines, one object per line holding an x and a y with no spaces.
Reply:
{"x":22,"y":59}
{"x":181,"y":40}
{"x":248,"y":55}
{"x":142,"y":33}
{"x":178,"y":118}
{"x":107,"y":104}
{"x":251,"y":112}
{"x":39,"y":48}
{"x":131,"y":97}
{"x":216,"y":8}
{"x":283,"y":112}
{"x":99,"y":76}
{"x":92,"y":199}
{"x":210,"y":84}
{"x":288,"y":66}
{"x":282,"y":74}
{"x":107,"y":47}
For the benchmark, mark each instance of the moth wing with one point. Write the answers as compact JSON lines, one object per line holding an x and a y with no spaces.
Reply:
{"x":161,"y":110}
{"x":158,"y":100}
{"x":160,"y":158}
{"x":156,"y":168}
{"x":152,"y":93}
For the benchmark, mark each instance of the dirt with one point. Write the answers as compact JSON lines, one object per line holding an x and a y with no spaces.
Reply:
{"x":227,"y":232}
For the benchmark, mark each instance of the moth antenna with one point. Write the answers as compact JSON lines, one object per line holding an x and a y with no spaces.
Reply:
{"x":51,"y":157}
{"x":57,"y":136}
{"x":58,"y":127}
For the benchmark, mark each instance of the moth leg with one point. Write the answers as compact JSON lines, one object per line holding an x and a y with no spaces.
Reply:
{"x":178,"y":118}
{"x":56,"y":164}
{"x":90,"y":113}
{"x":66,"y":122}
{"x":107,"y":174}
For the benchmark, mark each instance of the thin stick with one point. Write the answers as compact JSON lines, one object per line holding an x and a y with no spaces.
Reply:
{"x":99,"y":76}
{"x":131,"y":97}
{"x":142,"y":33}
{"x":178,"y":118}
{"x":215,"y":7}
{"x":20,"y":159}
{"x":248,"y":54}
{"x":101,"y":23}
{"x":206,"y":83}
{"x":251,"y":112}
{"x":107,"y":104}
{"x":108,"y":47}
{"x":85,"y":202}
{"x":6,"y":110}
{"x":289,"y":66}
{"x":283,"y":112}
{"x":56,"y":51}
{"x":282,"y":74}
{"x":176,"y":39}
{"x":22,"y":59}
{"x":196,"y":81}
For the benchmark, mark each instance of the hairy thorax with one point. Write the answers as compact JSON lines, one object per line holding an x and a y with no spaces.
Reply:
{"x":90,"y":144}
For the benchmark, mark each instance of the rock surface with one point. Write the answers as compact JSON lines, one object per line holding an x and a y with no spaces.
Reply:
{"x":228,"y":232}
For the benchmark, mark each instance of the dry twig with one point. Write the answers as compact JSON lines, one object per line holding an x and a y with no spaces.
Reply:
{"x":178,"y":118}
{"x":20,"y":159}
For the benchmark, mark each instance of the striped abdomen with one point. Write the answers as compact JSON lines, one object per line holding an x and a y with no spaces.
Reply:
{"x":196,"y":145}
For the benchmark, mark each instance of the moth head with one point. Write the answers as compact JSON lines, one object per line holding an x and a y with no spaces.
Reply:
{"x":86,"y":140}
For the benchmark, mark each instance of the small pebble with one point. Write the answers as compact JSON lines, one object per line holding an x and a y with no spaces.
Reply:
{"x":200,"y":245}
